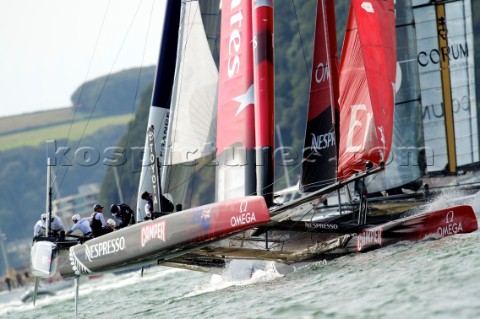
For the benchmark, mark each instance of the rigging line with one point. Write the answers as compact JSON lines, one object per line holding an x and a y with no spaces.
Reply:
{"x":138,"y":86}
{"x":300,"y":35}
{"x":75,"y":107}
{"x":315,"y":183}
{"x":104,"y":84}
{"x":295,"y":167}
{"x":192,"y":187}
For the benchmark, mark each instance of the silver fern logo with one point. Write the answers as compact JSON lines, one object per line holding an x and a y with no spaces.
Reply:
{"x":77,"y":266}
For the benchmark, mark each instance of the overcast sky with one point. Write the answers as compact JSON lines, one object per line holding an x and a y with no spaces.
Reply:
{"x":48,"y":48}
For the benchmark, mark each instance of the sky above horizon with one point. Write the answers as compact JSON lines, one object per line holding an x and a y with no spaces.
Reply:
{"x":49,"y":48}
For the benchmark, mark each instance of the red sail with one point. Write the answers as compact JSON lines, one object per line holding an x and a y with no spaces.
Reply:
{"x":319,"y":167}
{"x":367,"y":76}
{"x":264,"y":96}
{"x":235,"y":115}
{"x":235,"y":122}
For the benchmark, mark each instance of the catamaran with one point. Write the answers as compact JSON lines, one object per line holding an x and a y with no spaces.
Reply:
{"x":206,"y":111}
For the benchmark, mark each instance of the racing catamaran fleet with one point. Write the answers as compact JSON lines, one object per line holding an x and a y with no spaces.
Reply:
{"x":206,"y":110}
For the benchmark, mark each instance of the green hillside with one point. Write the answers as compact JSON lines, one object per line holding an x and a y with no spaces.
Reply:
{"x":23,"y":151}
{"x":38,"y":134}
{"x":22,"y":122}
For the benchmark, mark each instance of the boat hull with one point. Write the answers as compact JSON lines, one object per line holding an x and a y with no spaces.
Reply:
{"x":159,"y":240}
{"x":311,"y":242}
{"x":436,"y":224}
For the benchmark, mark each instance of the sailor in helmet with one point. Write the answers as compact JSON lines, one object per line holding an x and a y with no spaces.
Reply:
{"x":56,"y":226}
{"x":81,"y":224}
{"x":122,"y":214}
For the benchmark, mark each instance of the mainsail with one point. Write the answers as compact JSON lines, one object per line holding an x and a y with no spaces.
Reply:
{"x":446,"y":63}
{"x":235,"y":121}
{"x":191,"y":135}
{"x":319,"y":166}
{"x":405,"y":165}
{"x":367,"y":84}
{"x":160,"y":106}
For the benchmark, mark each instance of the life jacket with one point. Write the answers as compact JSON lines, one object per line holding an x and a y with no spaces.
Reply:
{"x":96,"y":226}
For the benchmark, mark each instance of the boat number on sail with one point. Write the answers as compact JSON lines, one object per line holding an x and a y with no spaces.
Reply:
{"x":369,"y":238}
{"x":104,"y":248}
{"x":244,"y":217}
{"x":451,"y":227}
{"x":155,"y":230}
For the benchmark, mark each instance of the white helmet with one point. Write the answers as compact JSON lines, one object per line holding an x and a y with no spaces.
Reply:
{"x":111,"y":222}
{"x":76,"y":217}
{"x":44,"y":216}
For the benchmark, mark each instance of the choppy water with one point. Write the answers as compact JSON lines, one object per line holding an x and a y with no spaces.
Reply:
{"x":431,"y":279}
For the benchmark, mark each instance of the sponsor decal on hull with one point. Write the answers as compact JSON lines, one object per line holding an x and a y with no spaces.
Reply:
{"x":244,"y":217}
{"x":314,"y":225}
{"x":451,"y":226}
{"x":104,"y":248}
{"x":94,"y":251}
{"x":370,"y":238}
{"x":155,"y":230}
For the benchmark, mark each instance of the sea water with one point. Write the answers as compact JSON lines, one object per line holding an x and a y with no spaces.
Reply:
{"x":428,"y":279}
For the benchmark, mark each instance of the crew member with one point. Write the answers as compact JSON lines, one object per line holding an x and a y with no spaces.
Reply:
{"x":39,"y":228}
{"x":148,"y":206}
{"x":81,"y":224}
{"x":98,"y":224}
{"x":150,"y":214}
{"x":122,"y":214}
{"x":111,"y":225}
{"x":56,"y":226}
